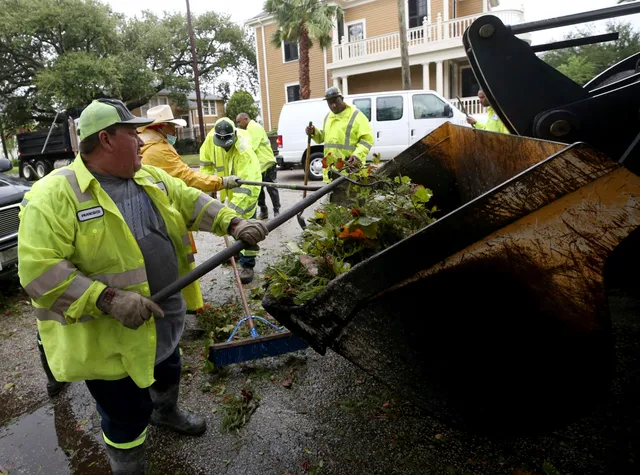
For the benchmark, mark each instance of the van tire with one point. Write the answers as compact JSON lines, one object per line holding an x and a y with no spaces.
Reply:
{"x":315,"y":166}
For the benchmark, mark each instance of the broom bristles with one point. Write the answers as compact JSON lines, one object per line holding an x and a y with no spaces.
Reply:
{"x":224,"y":354}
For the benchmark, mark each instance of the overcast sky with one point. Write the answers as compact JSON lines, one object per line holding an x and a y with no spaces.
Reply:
{"x":241,"y":10}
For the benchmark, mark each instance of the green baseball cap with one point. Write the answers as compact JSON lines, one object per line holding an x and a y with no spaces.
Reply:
{"x":103,"y":113}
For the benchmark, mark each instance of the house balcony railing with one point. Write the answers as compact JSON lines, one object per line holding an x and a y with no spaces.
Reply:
{"x":422,"y":35}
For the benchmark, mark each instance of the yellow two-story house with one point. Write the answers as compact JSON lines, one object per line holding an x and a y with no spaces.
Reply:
{"x":365,"y":55}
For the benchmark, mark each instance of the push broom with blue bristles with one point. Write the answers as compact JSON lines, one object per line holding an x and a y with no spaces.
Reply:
{"x":256,"y":347}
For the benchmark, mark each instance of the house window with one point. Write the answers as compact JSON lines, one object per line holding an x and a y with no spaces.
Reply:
{"x":364,"y":106}
{"x":468,"y":85}
{"x":209,"y":108}
{"x":418,"y":9}
{"x":289,"y":51}
{"x":428,"y":106}
{"x":389,"y":108}
{"x":293,"y":92}
{"x":356,"y":30}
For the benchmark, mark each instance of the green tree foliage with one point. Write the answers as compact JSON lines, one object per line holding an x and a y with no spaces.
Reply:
{"x":303,"y":22}
{"x":61,"y":54}
{"x":241,"y":101}
{"x":584,"y":62}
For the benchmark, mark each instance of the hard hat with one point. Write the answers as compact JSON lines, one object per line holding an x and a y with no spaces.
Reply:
{"x":332,"y":92}
{"x":224,"y":134}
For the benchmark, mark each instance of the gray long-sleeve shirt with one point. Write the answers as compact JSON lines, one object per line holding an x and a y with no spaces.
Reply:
{"x":161,"y":263}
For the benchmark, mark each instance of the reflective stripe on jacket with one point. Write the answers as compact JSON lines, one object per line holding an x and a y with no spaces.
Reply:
{"x":241,"y":161}
{"x":157,"y":151}
{"x":73,"y":243}
{"x":345,"y":134}
{"x":261,"y":146}
{"x":493,"y":123}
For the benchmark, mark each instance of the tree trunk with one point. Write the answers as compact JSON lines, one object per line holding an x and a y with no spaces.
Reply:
{"x":404,"y":46}
{"x":4,"y":141}
{"x":303,"y":64}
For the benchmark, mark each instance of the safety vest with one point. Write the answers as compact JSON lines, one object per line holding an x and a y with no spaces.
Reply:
{"x":261,"y":146}
{"x":73,"y":242}
{"x":493,"y":123}
{"x":345,"y":134}
{"x":241,"y":161}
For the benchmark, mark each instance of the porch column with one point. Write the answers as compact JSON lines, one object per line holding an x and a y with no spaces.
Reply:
{"x":345,"y":85}
{"x":445,"y":12}
{"x":447,"y":79}
{"x":426,"y":81}
{"x":485,"y":6}
{"x":336,"y":82}
{"x":455,"y":91}
{"x":439,"y":78}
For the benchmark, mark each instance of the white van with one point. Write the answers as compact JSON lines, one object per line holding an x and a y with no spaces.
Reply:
{"x":398,"y":119}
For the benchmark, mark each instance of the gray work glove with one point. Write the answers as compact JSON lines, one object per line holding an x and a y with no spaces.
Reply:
{"x":129,"y":308}
{"x":250,"y":231}
{"x":230,"y":181}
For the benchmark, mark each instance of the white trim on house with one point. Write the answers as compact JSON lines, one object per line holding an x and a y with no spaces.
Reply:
{"x":266,"y":75}
{"x":326,"y":76}
{"x":261,"y":108}
{"x":286,"y":86}
{"x":284,"y":61}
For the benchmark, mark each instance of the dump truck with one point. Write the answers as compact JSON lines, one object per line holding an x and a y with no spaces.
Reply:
{"x":41,"y":151}
{"x":496,"y":316}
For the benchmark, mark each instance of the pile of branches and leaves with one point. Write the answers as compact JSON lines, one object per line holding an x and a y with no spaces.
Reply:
{"x":340,"y":236}
{"x":238,"y":409}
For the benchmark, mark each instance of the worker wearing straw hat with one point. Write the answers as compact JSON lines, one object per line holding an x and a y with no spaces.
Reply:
{"x":159,"y":138}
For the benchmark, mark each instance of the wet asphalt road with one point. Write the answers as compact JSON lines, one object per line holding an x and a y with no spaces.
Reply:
{"x":332,"y":420}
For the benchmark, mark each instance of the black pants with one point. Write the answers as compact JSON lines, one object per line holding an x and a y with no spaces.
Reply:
{"x":270,"y":176}
{"x":125,"y":408}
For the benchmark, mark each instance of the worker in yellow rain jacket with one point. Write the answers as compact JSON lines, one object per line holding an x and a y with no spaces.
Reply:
{"x":346,"y":132}
{"x":159,"y":138}
{"x":268,"y":168}
{"x":493,"y":123}
{"x":227,"y":152}
{"x":96,"y":239}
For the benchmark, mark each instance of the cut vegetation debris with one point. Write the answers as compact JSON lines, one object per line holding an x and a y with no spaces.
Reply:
{"x":339,"y":237}
{"x":237,"y":410}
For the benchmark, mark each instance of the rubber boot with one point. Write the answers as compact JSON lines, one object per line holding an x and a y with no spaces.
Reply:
{"x":264,"y":213}
{"x":246,"y":274}
{"x":127,"y":461}
{"x":276,"y":212}
{"x":53,"y":387}
{"x":166,"y":413}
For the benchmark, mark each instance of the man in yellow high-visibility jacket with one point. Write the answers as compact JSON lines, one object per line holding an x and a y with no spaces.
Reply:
{"x":346,"y":132}
{"x":493,"y":123}
{"x":268,"y":168}
{"x":96,"y":239}
{"x":227,"y":151}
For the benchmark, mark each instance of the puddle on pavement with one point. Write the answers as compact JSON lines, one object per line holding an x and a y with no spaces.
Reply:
{"x":51,"y":441}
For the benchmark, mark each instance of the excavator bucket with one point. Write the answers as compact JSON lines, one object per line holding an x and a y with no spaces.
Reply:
{"x":495,"y":315}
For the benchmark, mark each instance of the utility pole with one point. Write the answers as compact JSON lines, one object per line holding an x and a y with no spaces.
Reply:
{"x":404,"y":46}
{"x":195,"y":74}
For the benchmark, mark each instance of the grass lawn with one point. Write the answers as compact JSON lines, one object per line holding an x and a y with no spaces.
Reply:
{"x":191,"y":159}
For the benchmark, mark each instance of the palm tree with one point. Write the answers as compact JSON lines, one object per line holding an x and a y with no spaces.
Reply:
{"x":303,"y":21}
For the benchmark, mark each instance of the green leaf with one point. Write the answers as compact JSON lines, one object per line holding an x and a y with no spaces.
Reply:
{"x":308,"y":451}
{"x":422,"y":195}
{"x":376,"y":158}
{"x":207,"y":367}
{"x":9,"y":386}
